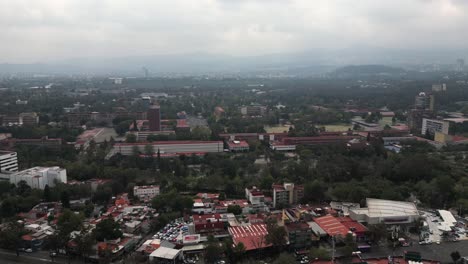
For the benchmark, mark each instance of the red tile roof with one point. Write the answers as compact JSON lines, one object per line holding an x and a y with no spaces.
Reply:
{"x":332,"y":225}
{"x":252,"y":236}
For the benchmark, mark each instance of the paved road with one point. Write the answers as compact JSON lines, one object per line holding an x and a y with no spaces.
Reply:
{"x":436,"y":252}
{"x":9,"y":257}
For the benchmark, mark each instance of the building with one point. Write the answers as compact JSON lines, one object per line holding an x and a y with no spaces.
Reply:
{"x":182,"y":125}
{"x":143,"y":135}
{"x":154,"y":118}
{"x":386,"y":211}
{"x":252,"y":236}
{"x":431,"y":126}
{"x":439,"y":87}
{"x":28,"y":119}
{"x":238,"y":145}
{"x":181,"y":147}
{"x":287,"y":194}
{"x":146,"y":193}
{"x":423,"y":101}
{"x":299,"y":235}
{"x":208,"y":223}
{"x":254,"y":196}
{"x":219,"y":112}
{"x":166,"y":255}
{"x":8,"y":161}
{"x":39,"y":177}
{"x":415,"y":119}
{"x":253,"y":110}
{"x":460,"y":65}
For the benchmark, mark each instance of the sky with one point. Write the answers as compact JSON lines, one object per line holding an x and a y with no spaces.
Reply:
{"x":52,"y":30}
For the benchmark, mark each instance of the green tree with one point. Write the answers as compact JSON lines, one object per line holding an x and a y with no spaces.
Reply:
{"x":107,"y":229}
{"x":319,"y":253}
{"x":455,"y":255}
{"x":276,"y":235}
{"x":234,"y":209}
{"x":46,"y":194}
{"x":130,"y":138}
{"x":285,"y":258}
{"x":350,"y":245}
{"x":213,"y":250}
{"x":10,"y":236}
{"x":65,"y":199}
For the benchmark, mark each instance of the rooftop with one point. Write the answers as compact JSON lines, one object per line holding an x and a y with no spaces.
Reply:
{"x":332,"y":225}
{"x":165,"y":253}
{"x":389,"y":208}
{"x":252,"y":236}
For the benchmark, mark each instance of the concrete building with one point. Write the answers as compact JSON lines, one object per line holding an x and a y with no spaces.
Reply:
{"x":166,"y":255}
{"x":29,"y":119}
{"x":254,"y":196}
{"x":169,"y":147}
{"x":299,"y":235}
{"x":415,"y":119}
{"x":146,"y":193}
{"x":8,"y":161}
{"x":386,"y":211}
{"x":424,"y":101}
{"x":253,"y":110}
{"x":39,"y":177}
{"x":439,"y":87}
{"x":154,"y":118}
{"x":431,"y":126}
{"x":287,"y":194}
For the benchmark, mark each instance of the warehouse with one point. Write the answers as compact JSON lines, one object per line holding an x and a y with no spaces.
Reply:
{"x":385,"y":211}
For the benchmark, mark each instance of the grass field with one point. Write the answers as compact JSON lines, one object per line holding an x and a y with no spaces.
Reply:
{"x":276,"y":129}
{"x":337,"y":127}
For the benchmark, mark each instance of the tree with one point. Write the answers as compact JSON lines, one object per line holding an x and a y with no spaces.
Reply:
{"x":107,"y":229}
{"x":276,"y":235}
{"x":455,"y":255}
{"x":285,"y":258}
{"x":65,"y":199}
{"x":10,"y":236}
{"x":319,"y":253}
{"x":23,"y":189}
{"x":46,"y":194}
{"x":234,"y":209}
{"x":130,"y":138}
{"x":149,"y":150}
{"x":213,"y":250}
{"x":378,"y":232}
{"x":85,"y":241}
{"x":350,"y":245}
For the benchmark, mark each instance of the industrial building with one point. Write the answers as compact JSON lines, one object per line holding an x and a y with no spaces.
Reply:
{"x":39,"y":177}
{"x":385,"y":211}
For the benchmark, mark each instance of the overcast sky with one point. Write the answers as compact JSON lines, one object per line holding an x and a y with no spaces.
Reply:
{"x":45,"y":30}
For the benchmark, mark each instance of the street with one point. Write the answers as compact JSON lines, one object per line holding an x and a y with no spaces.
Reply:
{"x":433,"y":252}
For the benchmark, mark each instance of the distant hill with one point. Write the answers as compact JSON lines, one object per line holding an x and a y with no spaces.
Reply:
{"x":369,"y":70}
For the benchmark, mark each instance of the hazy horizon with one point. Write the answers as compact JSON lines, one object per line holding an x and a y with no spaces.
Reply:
{"x":48,"y":31}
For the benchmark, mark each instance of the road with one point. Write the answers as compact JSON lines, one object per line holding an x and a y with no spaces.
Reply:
{"x":435,"y":252}
{"x":9,"y":257}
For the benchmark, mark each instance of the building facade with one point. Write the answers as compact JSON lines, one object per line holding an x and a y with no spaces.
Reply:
{"x":39,"y":177}
{"x":146,"y":193}
{"x":287,"y":194}
{"x":8,"y":161}
{"x":431,"y":126}
{"x":154,"y":118}
{"x":169,"y":147}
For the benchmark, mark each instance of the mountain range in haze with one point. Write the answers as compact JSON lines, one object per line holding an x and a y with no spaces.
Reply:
{"x":311,"y":62}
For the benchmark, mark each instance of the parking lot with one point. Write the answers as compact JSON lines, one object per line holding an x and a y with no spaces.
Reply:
{"x":173,"y":232}
{"x":434,"y":234}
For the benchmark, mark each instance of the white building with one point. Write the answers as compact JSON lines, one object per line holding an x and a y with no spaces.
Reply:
{"x":39,"y":177}
{"x":8,"y":161}
{"x":432,"y":126}
{"x":170,"y":147}
{"x":386,"y":212}
{"x":146,"y":193}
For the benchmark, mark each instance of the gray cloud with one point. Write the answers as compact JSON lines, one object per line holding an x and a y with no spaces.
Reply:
{"x":56,"y":29}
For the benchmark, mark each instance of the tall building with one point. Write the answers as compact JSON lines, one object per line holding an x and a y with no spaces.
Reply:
{"x":154,"y":118}
{"x":424,"y":101}
{"x":415,"y":119}
{"x":8,"y":161}
{"x":146,"y":193}
{"x":460,"y":65}
{"x":287,"y":194}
